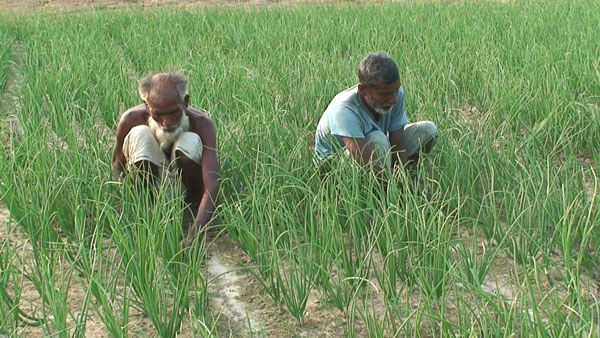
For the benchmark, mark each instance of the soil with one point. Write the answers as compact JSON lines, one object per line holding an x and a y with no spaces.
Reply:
{"x":28,"y":6}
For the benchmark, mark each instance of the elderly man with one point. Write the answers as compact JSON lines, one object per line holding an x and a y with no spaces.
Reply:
{"x":164,"y":137}
{"x":369,"y":120}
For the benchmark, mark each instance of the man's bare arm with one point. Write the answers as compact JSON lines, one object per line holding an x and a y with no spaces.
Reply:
{"x":398,"y":148}
{"x":210,"y":177}
{"x":118,"y":158}
{"x":362,"y":152}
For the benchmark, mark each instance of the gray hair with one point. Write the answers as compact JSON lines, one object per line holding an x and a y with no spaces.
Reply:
{"x":375,"y":68}
{"x":178,"y":80}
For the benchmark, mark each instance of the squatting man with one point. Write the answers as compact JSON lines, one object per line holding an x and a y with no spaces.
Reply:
{"x":369,"y":123}
{"x":165,"y":137}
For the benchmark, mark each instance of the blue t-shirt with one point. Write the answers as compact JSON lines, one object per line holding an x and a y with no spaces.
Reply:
{"x":347,"y":115}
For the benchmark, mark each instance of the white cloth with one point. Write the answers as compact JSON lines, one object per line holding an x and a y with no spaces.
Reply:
{"x":141,"y":145}
{"x":416,"y":135}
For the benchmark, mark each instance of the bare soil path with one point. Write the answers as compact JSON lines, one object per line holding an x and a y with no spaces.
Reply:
{"x":28,"y":6}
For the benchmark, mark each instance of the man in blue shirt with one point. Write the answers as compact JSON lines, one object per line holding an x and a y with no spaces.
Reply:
{"x":369,"y":120}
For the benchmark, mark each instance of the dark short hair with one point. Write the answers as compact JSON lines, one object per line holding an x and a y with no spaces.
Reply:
{"x":375,"y":68}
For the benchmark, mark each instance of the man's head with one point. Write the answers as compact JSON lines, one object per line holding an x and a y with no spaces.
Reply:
{"x":379,"y":82}
{"x":166,"y":97}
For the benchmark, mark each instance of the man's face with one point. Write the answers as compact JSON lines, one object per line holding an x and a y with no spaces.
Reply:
{"x":382,"y":97}
{"x":166,"y":109}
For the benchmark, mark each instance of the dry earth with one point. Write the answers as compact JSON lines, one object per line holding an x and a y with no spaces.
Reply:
{"x":29,"y":6}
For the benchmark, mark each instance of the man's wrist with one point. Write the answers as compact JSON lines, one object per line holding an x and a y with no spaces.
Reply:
{"x":117,"y":172}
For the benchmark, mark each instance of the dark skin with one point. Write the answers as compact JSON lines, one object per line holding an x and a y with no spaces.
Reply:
{"x":381,"y":96}
{"x":201,"y":181}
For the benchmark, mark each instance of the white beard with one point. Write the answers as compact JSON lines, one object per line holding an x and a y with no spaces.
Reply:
{"x":382,"y":111}
{"x":167,"y":139}
{"x":379,"y":110}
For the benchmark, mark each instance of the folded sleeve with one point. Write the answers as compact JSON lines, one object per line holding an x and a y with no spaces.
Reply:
{"x":344,"y":121}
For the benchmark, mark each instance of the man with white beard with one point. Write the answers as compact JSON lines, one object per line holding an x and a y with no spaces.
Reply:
{"x":368,"y":121}
{"x":165,"y":138}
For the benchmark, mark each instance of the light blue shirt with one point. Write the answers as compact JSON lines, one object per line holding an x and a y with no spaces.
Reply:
{"x":348,"y":116}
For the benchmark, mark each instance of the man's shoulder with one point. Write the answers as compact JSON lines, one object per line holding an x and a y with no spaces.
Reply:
{"x":134,"y":115}
{"x":348,"y":97}
{"x":196,"y":114}
{"x":345,"y":101}
{"x":199,"y":120}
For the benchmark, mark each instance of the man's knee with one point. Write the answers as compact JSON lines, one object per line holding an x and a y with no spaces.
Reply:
{"x":141,"y":146}
{"x":430,"y":132}
{"x":189,"y":148}
{"x":141,"y":133}
{"x":381,"y":145}
{"x":420,"y":137}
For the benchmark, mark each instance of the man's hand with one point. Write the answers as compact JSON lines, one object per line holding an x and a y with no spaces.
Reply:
{"x":398,"y":148}
{"x":362,"y":152}
{"x":190,"y":238}
{"x":117,"y":170}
